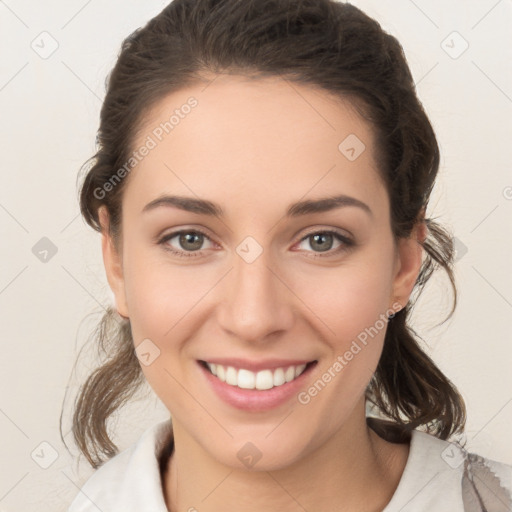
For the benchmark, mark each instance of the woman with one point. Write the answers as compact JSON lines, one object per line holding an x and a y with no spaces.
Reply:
{"x":261,"y":186}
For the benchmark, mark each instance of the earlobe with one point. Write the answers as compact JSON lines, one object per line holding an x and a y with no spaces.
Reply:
{"x":410,"y":258}
{"x":113,"y":264}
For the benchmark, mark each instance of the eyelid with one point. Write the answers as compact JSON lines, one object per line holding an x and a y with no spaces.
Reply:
{"x":323,"y":229}
{"x":187,"y":229}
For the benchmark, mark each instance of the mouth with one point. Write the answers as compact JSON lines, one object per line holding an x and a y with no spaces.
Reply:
{"x":266,"y":386}
{"x":260,"y":380}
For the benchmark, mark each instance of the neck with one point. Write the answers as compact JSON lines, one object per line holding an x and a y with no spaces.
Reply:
{"x":338,"y":472}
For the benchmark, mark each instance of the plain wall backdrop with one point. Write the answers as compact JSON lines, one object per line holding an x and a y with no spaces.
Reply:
{"x":55,"y":56}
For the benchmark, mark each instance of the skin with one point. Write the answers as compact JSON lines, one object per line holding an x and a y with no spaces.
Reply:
{"x":254,"y":147}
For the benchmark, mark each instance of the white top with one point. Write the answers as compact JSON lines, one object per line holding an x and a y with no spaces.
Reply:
{"x":433,"y":479}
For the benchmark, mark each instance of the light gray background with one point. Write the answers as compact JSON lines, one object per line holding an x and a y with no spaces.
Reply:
{"x":49,"y":116}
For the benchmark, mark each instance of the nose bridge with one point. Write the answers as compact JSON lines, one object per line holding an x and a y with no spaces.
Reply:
{"x":255,"y":302}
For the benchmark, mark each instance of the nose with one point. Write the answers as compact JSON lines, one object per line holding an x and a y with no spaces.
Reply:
{"x":256,"y":301}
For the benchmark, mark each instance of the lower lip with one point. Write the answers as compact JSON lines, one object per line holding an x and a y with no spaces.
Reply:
{"x":254,"y":399}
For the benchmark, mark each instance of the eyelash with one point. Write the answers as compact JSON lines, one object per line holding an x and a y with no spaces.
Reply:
{"x":347,"y":243}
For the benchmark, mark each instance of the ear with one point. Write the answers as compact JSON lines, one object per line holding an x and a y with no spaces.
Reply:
{"x":408,"y":263}
{"x":113,"y":263}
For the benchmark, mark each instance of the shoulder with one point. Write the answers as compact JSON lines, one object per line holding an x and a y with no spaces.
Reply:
{"x":441,"y":475}
{"x":131,"y":480}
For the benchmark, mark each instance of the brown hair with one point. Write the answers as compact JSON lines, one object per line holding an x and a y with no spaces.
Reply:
{"x":318,"y":42}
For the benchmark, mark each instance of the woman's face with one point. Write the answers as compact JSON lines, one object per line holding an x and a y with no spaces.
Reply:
{"x":267,"y":274}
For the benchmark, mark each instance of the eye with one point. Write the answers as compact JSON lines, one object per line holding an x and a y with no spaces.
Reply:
{"x":188,"y":243}
{"x":323,"y":242}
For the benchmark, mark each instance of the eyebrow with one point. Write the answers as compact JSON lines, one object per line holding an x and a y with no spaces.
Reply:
{"x":307,"y":207}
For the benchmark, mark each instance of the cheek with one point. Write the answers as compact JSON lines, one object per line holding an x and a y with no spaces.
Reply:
{"x":167,"y":306}
{"x":351,"y":303}
{"x":356,"y":316}
{"x":162,"y":299}
{"x":350,"y":297}
{"x":159,"y":292}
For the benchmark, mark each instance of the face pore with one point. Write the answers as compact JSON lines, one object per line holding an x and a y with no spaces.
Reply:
{"x":293,"y":290}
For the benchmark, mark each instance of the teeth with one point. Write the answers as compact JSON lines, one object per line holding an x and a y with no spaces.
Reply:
{"x":231,"y":377}
{"x":264,"y":379}
{"x":246,"y":379}
{"x":289,"y":374}
{"x":299,"y":370}
{"x":279,"y":377}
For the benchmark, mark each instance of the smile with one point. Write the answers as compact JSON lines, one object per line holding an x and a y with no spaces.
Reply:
{"x":256,"y":386}
{"x":261,"y":380}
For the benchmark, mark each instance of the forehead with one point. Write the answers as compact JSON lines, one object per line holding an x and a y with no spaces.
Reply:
{"x":264,"y":138}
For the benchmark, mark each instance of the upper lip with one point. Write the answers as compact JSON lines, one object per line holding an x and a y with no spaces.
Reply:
{"x":264,"y":364}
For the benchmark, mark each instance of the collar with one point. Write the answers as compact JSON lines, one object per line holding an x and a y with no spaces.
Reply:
{"x":130,"y":481}
{"x":432,"y":477}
